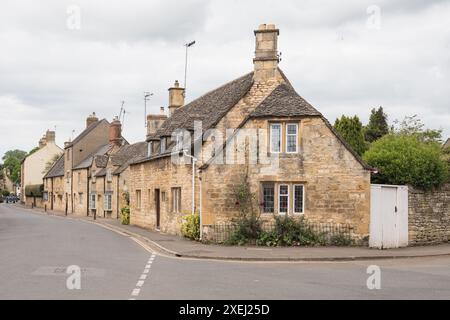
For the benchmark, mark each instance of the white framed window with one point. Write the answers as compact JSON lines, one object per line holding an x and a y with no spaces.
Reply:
{"x":149,"y":149}
{"x":108,"y":202}
{"x":291,"y":137}
{"x":93,"y":201}
{"x":275,"y":138}
{"x":268,"y":197}
{"x":283,"y":199}
{"x":299,"y":199}
{"x":176,"y":200}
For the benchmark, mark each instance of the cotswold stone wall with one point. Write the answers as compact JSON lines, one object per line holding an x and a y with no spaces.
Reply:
{"x":429,"y":216}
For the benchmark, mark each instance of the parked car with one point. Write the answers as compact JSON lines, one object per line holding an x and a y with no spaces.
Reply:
{"x":11,"y":199}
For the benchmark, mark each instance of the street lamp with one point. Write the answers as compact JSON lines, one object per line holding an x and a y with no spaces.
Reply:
{"x":187,"y":45}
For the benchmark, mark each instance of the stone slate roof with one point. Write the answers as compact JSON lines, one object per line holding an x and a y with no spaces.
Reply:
{"x":86,"y":163}
{"x":57,"y":170}
{"x":284,"y":102}
{"x":101,"y":161}
{"x":86,"y":132}
{"x":101,"y":173}
{"x":128,"y":154}
{"x":209,"y":108}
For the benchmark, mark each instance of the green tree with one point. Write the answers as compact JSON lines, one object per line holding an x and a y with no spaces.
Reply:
{"x":33,"y":150}
{"x":50,"y":163}
{"x":413,"y":126}
{"x":11,"y":161}
{"x":378,"y":126}
{"x":351,"y":129}
{"x":406,"y":159}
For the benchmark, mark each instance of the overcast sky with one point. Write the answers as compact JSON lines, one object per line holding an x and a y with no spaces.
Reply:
{"x":344,"y":57}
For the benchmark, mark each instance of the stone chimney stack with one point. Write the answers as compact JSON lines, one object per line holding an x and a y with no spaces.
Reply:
{"x":176,"y":98}
{"x":50,"y":136}
{"x":42,"y":142}
{"x":266,"y":54}
{"x":155,"y":121}
{"x":115,"y":132}
{"x":91,"y":120}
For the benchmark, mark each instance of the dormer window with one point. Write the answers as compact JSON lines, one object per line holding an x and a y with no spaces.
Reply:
{"x":163,"y":145}
{"x":149,"y":149}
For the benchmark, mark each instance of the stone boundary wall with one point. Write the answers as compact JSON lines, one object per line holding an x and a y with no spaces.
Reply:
{"x":429,"y":216}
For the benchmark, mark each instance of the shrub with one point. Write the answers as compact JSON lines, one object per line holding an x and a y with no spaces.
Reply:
{"x":125,"y":215}
{"x":341,"y":240}
{"x":406,"y":159}
{"x":5,"y":193}
{"x":248,"y":222}
{"x":191,"y":227}
{"x":248,"y":229}
{"x":291,"y":232}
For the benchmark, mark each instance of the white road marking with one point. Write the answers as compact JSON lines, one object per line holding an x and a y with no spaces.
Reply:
{"x":135,"y":293}
{"x":140,"y":283}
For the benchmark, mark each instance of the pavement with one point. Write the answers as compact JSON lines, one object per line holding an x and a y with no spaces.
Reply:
{"x":37,"y":251}
{"x":184,"y":248}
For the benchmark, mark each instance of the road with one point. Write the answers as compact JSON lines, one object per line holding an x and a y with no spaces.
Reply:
{"x":36,"y":250}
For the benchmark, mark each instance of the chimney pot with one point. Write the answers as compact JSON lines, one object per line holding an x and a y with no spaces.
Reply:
{"x":115,"y":132}
{"x":91,"y":120}
{"x":266,"y":54}
{"x":176,"y":98}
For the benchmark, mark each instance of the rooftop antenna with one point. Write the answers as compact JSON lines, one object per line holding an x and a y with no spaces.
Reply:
{"x":147,"y":96}
{"x":187,"y":45}
{"x":73,"y":132}
{"x":121,"y":110}
{"x":123,"y":116}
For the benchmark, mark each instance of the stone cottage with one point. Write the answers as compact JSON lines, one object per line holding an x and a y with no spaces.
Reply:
{"x":256,"y":127}
{"x":71,"y":184}
{"x":33,"y":169}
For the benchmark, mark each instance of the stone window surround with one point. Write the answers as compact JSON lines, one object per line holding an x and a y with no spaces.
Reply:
{"x":284,"y":129}
{"x":175,"y":196}
{"x":108,"y":201}
{"x":291,"y":196}
{"x":93,"y":201}
{"x":138,"y":199}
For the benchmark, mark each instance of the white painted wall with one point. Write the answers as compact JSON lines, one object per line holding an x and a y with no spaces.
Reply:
{"x":34,"y":165}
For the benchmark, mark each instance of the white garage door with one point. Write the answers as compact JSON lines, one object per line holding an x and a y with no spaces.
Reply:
{"x":388,"y":217}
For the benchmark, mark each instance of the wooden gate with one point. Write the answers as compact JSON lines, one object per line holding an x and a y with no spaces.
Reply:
{"x":388,"y":217}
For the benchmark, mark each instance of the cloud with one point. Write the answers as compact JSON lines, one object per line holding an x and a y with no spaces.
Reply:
{"x":52,"y":75}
